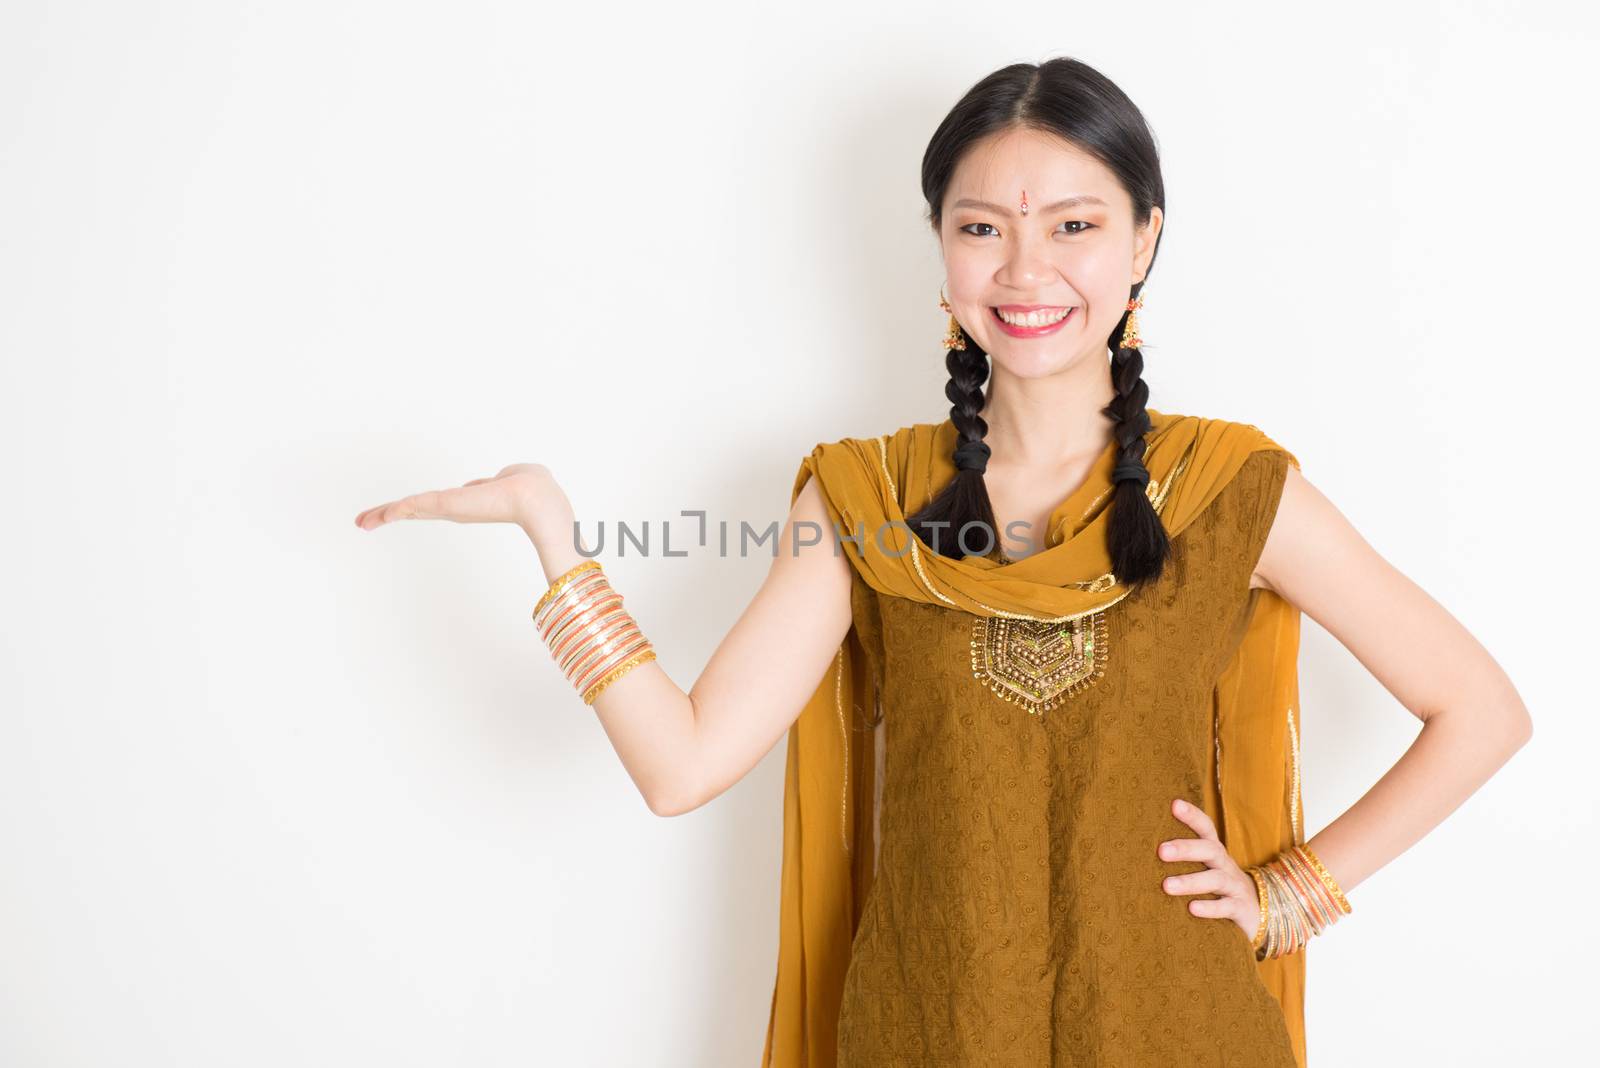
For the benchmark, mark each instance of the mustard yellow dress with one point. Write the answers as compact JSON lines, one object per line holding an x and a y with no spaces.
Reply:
{"x":1017,"y":916}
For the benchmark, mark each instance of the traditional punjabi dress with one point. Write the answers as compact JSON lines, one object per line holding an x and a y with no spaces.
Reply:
{"x":976,"y":882}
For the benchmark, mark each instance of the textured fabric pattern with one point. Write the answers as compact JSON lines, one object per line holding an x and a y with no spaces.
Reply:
{"x":1017,"y":915}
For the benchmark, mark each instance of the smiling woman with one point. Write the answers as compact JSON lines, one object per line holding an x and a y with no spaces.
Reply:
{"x":1041,"y":719}
{"x":988,"y":792}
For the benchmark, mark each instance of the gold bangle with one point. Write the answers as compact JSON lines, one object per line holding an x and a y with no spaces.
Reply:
{"x":575,"y":598}
{"x":563,"y":579}
{"x":1299,"y":898}
{"x":592,"y":638}
{"x":1312,"y":892}
{"x":605,"y":651}
{"x":1294,"y":913}
{"x":1327,"y":879}
{"x":593,"y":624}
{"x":612,"y":676}
{"x":1281,"y":936}
{"x":1283,"y":933}
{"x":587,"y":614}
{"x":1304,"y":887}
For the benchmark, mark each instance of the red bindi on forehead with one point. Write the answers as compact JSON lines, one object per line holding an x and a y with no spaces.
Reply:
{"x":1024,"y":202}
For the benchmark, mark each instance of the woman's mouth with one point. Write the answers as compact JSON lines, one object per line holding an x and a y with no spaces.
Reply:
{"x":1036,"y":322}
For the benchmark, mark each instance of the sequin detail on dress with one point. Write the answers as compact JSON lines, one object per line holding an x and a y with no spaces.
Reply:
{"x":1036,"y":664}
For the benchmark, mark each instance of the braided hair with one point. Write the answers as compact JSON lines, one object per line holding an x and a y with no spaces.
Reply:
{"x":1077,"y":103}
{"x":1139,"y":544}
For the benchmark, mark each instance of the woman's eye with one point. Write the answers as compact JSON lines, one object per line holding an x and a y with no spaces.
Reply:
{"x":1070,"y":222}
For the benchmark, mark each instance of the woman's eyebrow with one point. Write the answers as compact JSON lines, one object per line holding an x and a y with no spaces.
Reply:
{"x":1070,"y":202}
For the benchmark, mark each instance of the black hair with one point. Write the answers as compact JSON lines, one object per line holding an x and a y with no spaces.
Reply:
{"x":1075,"y":102}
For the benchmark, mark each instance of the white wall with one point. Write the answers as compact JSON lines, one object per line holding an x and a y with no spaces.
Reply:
{"x":276,"y":791}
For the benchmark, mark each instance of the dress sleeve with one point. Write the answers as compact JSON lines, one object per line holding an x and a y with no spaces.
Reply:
{"x":1265,"y":473}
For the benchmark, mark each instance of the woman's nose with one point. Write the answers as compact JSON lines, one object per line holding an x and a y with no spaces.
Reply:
{"x":1026,"y":267}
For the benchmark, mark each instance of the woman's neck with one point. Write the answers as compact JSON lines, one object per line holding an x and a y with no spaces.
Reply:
{"x":1047,"y":422}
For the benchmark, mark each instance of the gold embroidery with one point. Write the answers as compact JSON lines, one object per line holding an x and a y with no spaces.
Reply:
{"x":883,"y":454}
{"x":1294,"y":775}
{"x":1295,"y":801}
{"x":1099,"y":585}
{"x":1216,"y":733}
{"x":1294,"y":795}
{"x":1035,"y":664}
{"x":844,"y":741}
{"x":1157,"y":495}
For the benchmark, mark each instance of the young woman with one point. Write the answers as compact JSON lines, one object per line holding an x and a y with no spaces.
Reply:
{"x":1042,"y":802}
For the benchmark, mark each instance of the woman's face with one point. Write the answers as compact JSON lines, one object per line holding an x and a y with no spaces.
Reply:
{"x":1079,"y":257}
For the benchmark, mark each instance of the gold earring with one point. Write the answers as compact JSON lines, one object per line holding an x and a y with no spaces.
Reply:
{"x":953,"y":338}
{"x":1130,"y":332}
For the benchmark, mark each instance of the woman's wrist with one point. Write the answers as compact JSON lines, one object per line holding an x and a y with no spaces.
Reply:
{"x":550,"y":523}
{"x":557,"y":548}
{"x":1299,"y":899}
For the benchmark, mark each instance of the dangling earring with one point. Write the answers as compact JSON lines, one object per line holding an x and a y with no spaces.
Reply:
{"x":953,"y":339}
{"x":1130,"y":332}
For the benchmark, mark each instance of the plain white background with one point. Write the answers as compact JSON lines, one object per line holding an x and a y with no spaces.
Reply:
{"x":277,"y":791}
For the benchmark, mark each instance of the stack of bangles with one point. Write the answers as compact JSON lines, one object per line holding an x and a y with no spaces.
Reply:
{"x":594,"y":641}
{"x":1298,"y":899}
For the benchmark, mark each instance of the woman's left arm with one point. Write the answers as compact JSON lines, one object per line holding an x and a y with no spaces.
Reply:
{"x":1472,"y":717}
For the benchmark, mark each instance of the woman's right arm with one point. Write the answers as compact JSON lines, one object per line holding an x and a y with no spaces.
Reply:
{"x":684,"y":748}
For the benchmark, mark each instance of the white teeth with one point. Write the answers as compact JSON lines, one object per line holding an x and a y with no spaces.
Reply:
{"x":1033,"y":318}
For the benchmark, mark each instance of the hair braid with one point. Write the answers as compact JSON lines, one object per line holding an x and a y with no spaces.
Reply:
{"x":1137,"y":541}
{"x":966,"y":495}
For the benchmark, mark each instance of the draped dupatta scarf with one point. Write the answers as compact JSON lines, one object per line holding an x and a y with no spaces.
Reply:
{"x":870,"y":486}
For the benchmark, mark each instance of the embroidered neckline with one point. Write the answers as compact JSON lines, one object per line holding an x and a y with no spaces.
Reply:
{"x":1037,"y":664}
